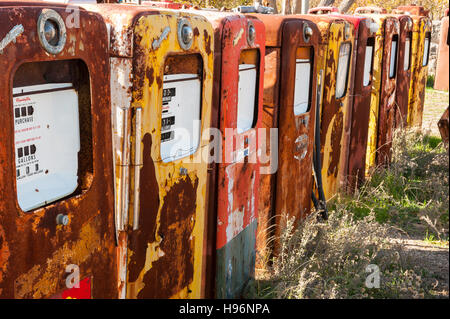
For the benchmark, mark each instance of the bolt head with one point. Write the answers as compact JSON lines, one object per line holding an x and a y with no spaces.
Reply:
{"x":62,"y":219}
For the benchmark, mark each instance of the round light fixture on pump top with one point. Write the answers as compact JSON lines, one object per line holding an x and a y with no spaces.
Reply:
{"x":251,"y":33}
{"x":51,"y":31}
{"x":185,"y":34}
{"x":410,"y":23}
{"x":307,"y":32}
{"x":372,"y":25}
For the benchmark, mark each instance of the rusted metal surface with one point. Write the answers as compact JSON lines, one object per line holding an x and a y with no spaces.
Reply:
{"x":383,"y":123}
{"x":288,"y":192}
{"x":444,"y":127}
{"x":403,"y":70}
{"x":167,"y":251}
{"x":386,"y":120}
{"x":376,"y":79}
{"x":421,"y":31}
{"x":34,"y":250}
{"x":168,"y":199}
{"x":238,"y":177}
{"x":267,"y":185}
{"x":357,"y":121}
{"x":334,"y":122}
{"x":370,"y":10}
{"x":296,"y":132}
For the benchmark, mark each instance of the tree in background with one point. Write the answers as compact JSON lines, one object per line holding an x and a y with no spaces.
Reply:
{"x":436,"y":7}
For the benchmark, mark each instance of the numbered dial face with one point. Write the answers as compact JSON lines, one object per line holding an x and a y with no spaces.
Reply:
{"x":47,"y":142}
{"x":180,"y":117}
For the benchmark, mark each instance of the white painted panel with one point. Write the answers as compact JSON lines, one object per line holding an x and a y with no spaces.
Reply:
{"x":47,"y":142}
{"x":246,"y":97}
{"x":368,"y":65}
{"x":302,"y":86}
{"x":342,"y":69}
{"x":180,"y":126}
{"x":426,"y":50}
{"x":393,"y":61}
{"x":407,"y":54}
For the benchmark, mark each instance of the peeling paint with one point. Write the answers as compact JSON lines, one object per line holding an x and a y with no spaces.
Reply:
{"x":237,"y":179}
{"x":166,"y":252}
{"x":288,"y":192}
{"x":157,"y":42}
{"x":419,"y":72}
{"x":11,"y":36}
{"x":301,"y":148}
{"x":334,"y":111}
{"x":238,"y":36}
{"x":235,"y":224}
{"x":38,"y":248}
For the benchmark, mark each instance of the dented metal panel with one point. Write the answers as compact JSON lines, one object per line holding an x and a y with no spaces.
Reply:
{"x":286,"y":193}
{"x":336,"y":102}
{"x":34,"y":249}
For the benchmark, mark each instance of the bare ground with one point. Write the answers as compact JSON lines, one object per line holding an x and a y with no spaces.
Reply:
{"x":436,"y":103}
{"x":430,"y":258}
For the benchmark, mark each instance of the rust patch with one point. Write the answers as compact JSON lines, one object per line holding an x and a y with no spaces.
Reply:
{"x":443,"y":125}
{"x":139,"y":72}
{"x":196,"y":32}
{"x":178,"y":64}
{"x":38,"y":249}
{"x":4,"y":254}
{"x":207,"y":42}
{"x":149,"y":203}
{"x":336,"y":135}
{"x":150,"y":75}
{"x":175,"y":269}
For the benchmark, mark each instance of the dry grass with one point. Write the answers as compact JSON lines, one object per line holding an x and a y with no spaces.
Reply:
{"x":397,"y":221}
